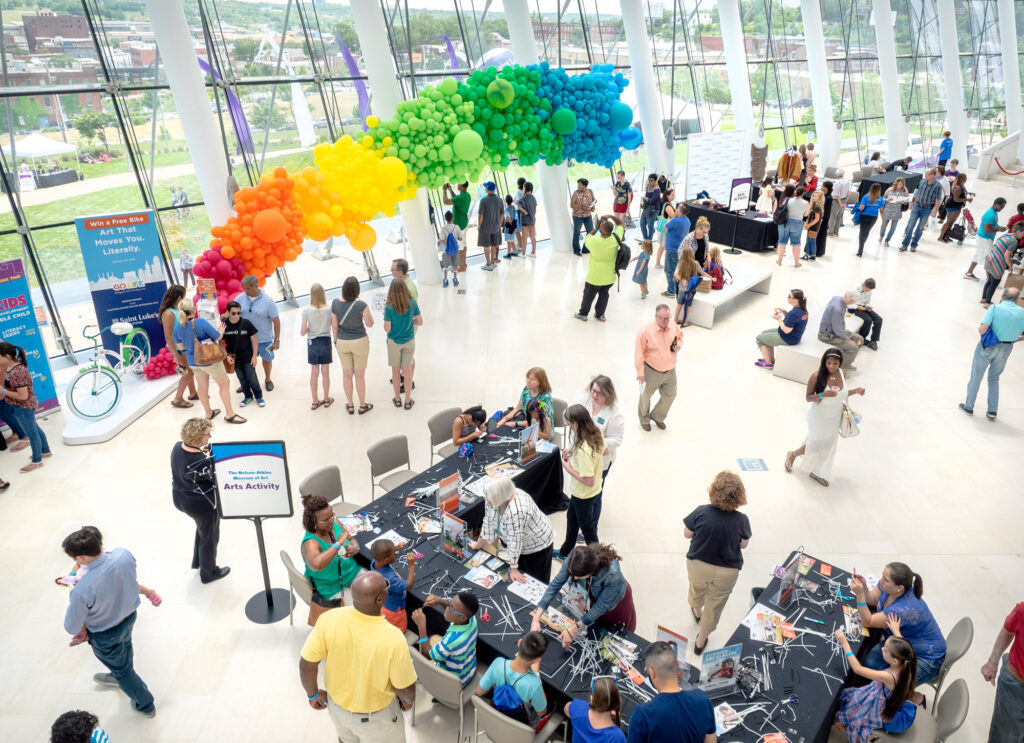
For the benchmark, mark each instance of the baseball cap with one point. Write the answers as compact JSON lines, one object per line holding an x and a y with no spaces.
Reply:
{"x":489,"y":185}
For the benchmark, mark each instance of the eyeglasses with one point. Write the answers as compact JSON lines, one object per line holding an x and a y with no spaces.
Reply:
{"x":325,"y":521}
{"x":453,"y":610}
{"x":663,"y":318}
{"x":234,"y":314}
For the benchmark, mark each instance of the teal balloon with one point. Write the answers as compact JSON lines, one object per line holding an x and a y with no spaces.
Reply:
{"x":563,"y":121}
{"x":620,"y":116}
{"x":468,"y":145}
{"x":631,"y":138}
{"x":449,"y":86}
{"x":500,"y":93}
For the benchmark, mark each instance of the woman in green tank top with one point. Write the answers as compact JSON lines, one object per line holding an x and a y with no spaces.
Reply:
{"x":327,"y":553}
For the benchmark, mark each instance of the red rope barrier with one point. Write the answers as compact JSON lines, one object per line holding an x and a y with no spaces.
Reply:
{"x":1019,"y":172}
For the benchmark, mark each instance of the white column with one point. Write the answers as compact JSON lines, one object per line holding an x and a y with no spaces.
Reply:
{"x":952,"y":78}
{"x":202,"y":135}
{"x":554,"y":188}
{"x":821,"y":95}
{"x":1011,"y":72}
{"x":387,"y":94}
{"x":648,"y":97}
{"x":739,"y":74}
{"x":895,"y":125}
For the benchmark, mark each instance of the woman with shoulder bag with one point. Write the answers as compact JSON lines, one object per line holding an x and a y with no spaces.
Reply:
{"x":327,"y":553}
{"x":350,"y":317}
{"x":194,"y":335}
{"x":955,"y":203}
{"x":815,"y":216}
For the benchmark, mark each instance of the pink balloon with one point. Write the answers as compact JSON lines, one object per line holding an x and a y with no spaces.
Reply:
{"x":234,"y":285}
{"x":233,"y":296}
{"x":224,"y":269}
{"x":203,"y":268}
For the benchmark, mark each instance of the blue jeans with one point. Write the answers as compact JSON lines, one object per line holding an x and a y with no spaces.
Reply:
{"x":597,"y":498}
{"x":916,"y":224}
{"x":647,"y":224}
{"x":26,"y":420}
{"x":113,"y":648}
{"x":890,"y":227}
{"x":994,"y":359}
{"x":1008,"y":712}
{"x":927,"y":669}
{"x":811,"y":247}
{"x":671,"y":261}
{"x":10,"y":420}
{"x":246,"y":374}
{"x":587,"y":223}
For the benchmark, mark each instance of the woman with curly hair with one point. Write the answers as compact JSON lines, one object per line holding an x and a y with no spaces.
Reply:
{"x":194,"y":491}
{"x":596,"y":586}
{"x":77,"y":726}
{"x":717,"y":532}
{"x":327,"y":552}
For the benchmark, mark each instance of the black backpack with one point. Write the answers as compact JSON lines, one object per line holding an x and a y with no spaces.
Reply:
{"x":622,"y":256}
{"x":781,"y":212}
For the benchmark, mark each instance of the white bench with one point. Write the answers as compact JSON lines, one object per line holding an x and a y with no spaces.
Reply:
{"x":744,"y":278}
{"x":799,"y":362}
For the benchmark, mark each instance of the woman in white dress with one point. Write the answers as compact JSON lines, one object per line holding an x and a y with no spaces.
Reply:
{"x":827,"y":393}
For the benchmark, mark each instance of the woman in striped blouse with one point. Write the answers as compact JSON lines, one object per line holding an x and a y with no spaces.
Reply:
{"x":512,"y":516}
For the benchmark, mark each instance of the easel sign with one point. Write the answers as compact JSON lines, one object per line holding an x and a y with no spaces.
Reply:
{"x":527,"y":449}
{"x":678,"y":643}
{"x":448,"y":493}
{"x":453,"y":536}
{"x":252,"y":480}
{"x":252,"y":483}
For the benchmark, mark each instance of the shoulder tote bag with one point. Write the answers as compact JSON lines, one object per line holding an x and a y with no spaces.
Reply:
{"x":206,"y":351}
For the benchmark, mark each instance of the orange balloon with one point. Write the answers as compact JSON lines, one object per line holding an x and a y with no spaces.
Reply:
{"x":364,"y":238}
{"x":217,"y":230}
{"x":270,"y":225}
{"x":280,"y":172}
{"x":227,"y":252}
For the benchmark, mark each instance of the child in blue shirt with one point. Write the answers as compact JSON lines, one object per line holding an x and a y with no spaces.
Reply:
{"x":383,"y":553}
{"x":510,"y":226}
{"x":598,"y":721}
{"x":522,"y":675}
{"x":643,"y":259}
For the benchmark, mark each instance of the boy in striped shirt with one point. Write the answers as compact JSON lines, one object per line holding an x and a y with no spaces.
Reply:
{"x":456,"y":651}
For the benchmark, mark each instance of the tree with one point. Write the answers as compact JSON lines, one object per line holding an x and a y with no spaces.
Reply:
{"x":93,"y":125}
{"x":61,"y":62}
{"x":347,"y":34}
{"x":244,"y":51}
{"x":261,"y":110}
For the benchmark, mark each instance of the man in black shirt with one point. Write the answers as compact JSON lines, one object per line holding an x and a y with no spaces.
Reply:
{"x":240,"y":340}
{"x":489,"y":217}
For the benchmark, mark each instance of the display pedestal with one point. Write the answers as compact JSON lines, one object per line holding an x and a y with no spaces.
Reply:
{"x":137,"y":396}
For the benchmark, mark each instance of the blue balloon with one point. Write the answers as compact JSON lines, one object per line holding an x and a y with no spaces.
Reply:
{"x":621,"y":116}
{"x":631,"y":138}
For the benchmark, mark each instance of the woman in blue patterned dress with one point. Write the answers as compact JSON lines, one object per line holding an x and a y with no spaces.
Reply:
{"x":866,"y":709}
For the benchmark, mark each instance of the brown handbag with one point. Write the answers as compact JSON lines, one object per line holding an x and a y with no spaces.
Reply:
{"x":207,"y":351}
{"x":704,"y":286}
{"x":229,"y":363}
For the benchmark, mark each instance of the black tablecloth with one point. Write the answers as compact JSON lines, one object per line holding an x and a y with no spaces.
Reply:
{"x":810,"y":719}
{"x":389,"y":512}
{"x":887,"y":179}
{"x":46,"y":180}
{"x":737,"y":230}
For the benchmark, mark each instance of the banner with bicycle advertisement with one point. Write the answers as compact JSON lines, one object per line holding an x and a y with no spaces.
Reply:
{"x":125,"y":272}
{"x":18,"y":325}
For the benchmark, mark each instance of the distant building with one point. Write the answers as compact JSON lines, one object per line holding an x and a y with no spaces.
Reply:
{"x":46,"y":23}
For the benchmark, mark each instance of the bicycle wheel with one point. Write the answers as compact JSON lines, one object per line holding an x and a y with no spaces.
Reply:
{"x":136,"y":351}
{"x":93,"y":393}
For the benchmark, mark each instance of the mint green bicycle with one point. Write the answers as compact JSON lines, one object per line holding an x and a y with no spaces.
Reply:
{"x":95,"y":391}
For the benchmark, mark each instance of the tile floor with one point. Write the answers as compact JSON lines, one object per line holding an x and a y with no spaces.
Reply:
{"x":923,"y":483}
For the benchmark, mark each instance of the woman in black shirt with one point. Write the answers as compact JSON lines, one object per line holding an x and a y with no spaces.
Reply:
{"x":195,"y":493}
{"x":717,"y":532}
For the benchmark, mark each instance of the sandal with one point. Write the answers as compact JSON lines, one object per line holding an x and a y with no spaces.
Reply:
{"x":328,"y":402}
{"x":397,"y":402}
{"x":23,"y":444}
{"x":4,"y":485}
{"x":350,"y":408}
{"x":819,"y":480}
{"x":316,"y":404}
{"x":31,"y":466}
{"x":366,"y":407}
{"x":181,"y":404}
{"x":408,"y":405}
{"x":214,"y":414}
{"x":236,"y":418}
{"x":790,"y":458}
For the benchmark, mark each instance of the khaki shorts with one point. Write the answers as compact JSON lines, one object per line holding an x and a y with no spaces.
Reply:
{"x":770,"y":337}
{"x":400,"y":354}
{"x":211,"y":370}
{"x":354,"y":354}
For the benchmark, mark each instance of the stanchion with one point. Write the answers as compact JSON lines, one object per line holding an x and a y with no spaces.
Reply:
{"x":271,"y":604}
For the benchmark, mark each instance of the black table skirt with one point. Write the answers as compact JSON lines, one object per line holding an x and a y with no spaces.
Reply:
{"x":887,"y":179}
{"x":737,"y":230}
{"x":59,"y":178}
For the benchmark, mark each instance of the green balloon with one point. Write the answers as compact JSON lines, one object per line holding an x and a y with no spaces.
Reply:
{"x":468,"y":144}
{"x":446,"y":153}
{"x":500,"y":93}
{"x":449,"y":86}
{"x":563,"y":120}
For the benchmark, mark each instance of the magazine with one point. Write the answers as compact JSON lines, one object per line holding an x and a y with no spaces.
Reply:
{"x":478,"y":559}
{"x":556,"y":620}
{"x":854,"y":627}
{"x":482,"y":577}
{"x":397,"y":539}
{"x":726,"y":718}
{"x":502,"y":469}
{"x":532,"y":590}
{"x":718,"y":669}
{"x":427,"y":525}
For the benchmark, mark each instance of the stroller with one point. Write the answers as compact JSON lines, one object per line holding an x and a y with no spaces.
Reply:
{"x":964,"y":225}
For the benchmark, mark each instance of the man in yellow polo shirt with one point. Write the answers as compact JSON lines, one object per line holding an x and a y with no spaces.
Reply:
{"x":368,"y":671}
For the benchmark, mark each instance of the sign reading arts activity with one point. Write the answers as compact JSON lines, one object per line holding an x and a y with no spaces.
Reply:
{"x":252,"y":479}
{"x":124,"y":266}
{"x":18,"y":325}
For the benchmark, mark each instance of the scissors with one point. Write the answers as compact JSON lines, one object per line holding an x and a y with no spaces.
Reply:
{"x":485,"y":616}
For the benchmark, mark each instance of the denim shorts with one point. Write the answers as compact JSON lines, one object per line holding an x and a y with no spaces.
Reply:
{"x":318,"y":350}
{"x":264,"y":351}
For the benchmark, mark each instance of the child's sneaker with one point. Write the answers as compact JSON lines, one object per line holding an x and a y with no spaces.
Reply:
{"x":455,"y":280}
{"x":154,"y":598}
{"x":259,"y":401}
{"x":444,"y":283}
{"x":245,"y":402}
